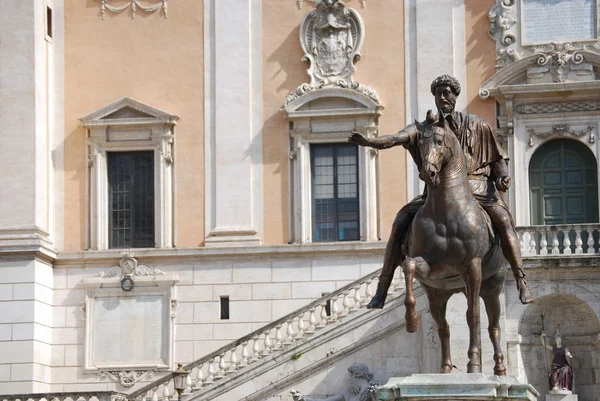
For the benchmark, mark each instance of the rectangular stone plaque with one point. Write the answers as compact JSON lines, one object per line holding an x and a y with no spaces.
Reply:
{"x":545,"y":21}
{"x":129,"y":330}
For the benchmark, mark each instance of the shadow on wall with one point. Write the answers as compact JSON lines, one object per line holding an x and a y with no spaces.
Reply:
{"x":580,"y":330}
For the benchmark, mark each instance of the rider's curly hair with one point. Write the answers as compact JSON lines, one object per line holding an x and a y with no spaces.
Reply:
{"x":446,"y":80}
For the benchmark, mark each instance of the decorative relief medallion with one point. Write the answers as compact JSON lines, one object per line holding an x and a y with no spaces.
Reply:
{"x":331,"y":37}
{"x":128,"y":267}
{"x":134,"y":4}
{"x":127,"y":378}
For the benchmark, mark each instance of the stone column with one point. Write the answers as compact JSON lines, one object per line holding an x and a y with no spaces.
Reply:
{"x":29,"y":115}
{"x":233,"y":130}
{"x":445,"y":54}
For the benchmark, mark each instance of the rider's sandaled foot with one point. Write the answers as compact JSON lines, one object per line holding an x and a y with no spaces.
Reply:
{"x":524,"y":293}
{"x":378,"y":301}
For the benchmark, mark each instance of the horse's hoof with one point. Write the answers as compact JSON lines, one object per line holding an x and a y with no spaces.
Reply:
{"x":524,"y":294}
{"x":446,"y":369}
{"x":377,"y":302}
{"x":412,"y":321}
{"x":473,"y":368}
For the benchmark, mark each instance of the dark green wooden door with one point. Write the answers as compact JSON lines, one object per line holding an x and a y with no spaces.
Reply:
{"x":563,"y":184}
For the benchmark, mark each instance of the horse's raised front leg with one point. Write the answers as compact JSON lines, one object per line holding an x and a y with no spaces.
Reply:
{"x":438,"y":300}
{"x":472,"y":277}
{"x":490,"y":292}
{"x":410,"y":267}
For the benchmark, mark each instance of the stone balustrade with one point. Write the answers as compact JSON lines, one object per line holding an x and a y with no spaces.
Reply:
{"x":277,"y":336}
{"x":559,"y":240}
{"x":78,"y":396}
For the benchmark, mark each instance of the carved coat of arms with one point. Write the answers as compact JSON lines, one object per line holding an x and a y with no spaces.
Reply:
{"x":331,"y":37}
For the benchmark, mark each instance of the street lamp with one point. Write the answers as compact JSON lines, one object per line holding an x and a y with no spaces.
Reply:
{"x":179,"y":379}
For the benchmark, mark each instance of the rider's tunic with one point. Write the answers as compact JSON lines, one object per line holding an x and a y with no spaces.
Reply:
{"x":481,"y":150}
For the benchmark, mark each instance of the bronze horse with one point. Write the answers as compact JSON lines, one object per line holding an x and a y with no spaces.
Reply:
{"x":450,"y":248}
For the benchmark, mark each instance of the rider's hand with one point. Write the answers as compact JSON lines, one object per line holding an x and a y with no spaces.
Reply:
{"x":503,"y":183}
{"x":358,"y":139}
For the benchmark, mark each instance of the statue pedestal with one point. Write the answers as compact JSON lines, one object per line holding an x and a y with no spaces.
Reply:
{"x":457,"y":387}
{"x":561,"y":395}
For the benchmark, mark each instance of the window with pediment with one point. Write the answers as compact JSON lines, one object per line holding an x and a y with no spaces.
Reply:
{"x":130,"y":176}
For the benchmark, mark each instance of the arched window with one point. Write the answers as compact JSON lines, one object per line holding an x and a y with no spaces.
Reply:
{"x":563,"y":183}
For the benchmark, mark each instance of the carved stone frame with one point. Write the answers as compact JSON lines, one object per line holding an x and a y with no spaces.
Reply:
{"x":532,"y":131}
{"x":328,"y":115}
{"x":122,"y":126}
{"x":109,"y":285}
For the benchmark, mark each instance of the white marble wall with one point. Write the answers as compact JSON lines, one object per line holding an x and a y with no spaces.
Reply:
{"x":260,"y":289}
{"x":26,"y":119}
{"x":25,"y":326}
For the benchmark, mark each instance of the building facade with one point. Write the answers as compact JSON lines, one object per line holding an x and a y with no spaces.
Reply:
{"x":176,"y":175}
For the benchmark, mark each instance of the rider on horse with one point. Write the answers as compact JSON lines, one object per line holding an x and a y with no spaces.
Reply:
{"x":487,"y":173}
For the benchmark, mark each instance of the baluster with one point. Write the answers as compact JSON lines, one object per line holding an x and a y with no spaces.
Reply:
{"x":222,"y":367}
{"x":255,"y":349}
{"x":278,"y":338}
{"x":199,"y":378}
{"x":532,"y":244}
{"x":524,"y":249}
{"x":369,"y":292}
{"x":155,"y":394}
{"x":188,"y":385}
{"x":268,"y":343}
{"x":590,"y":242}
{"x":245,"y":354}
{"x":290,"y":333}
{"x":345,"y":303}
{"x":165,"y":392}
{"x":212,"y":370}
{"x":301,"y":327}
{"x":312,"y":321}
{"x":566,"y":242}
{"x":144,"y":397}
{"x":335,"y":310}
{"x":578,"y":242}
{"x":555,"y":242}
{"x":233,"y":362}
{"x":357,"y":298}
{"x":323,"y":315}
{"x":543,"y":243}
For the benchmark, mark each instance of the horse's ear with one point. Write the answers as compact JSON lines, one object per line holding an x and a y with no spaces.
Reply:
{"x":430,"y":119}
{"x":420,"y":127}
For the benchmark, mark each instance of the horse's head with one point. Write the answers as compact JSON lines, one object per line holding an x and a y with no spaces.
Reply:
{"x":436,"y":148}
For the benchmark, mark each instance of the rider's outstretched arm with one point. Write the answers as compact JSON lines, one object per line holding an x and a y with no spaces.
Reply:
{"x":403,"y":137}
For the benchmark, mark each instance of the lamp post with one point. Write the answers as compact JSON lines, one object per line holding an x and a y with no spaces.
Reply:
{"x":179,"y":379}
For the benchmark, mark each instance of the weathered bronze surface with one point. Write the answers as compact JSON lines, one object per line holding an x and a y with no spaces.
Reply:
{"x":444,"y":238}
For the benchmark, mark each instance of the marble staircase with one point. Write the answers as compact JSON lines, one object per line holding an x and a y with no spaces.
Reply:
{"x":282,"y":353}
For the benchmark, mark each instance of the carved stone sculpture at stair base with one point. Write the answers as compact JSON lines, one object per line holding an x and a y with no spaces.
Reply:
{"x":455,"y":387}
{"x":359,"y":389}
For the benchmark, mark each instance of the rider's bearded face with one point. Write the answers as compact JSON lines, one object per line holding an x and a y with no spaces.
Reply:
{"x":445,"y":100}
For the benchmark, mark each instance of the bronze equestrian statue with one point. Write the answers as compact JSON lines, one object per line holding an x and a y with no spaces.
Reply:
{"x":450,"y":246}
{"x":487,"y":172}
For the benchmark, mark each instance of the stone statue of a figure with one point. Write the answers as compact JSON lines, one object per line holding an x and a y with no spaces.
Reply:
{"x":561,"y":372}
{"x":359,"y":388}
{"x":487,"y":173}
